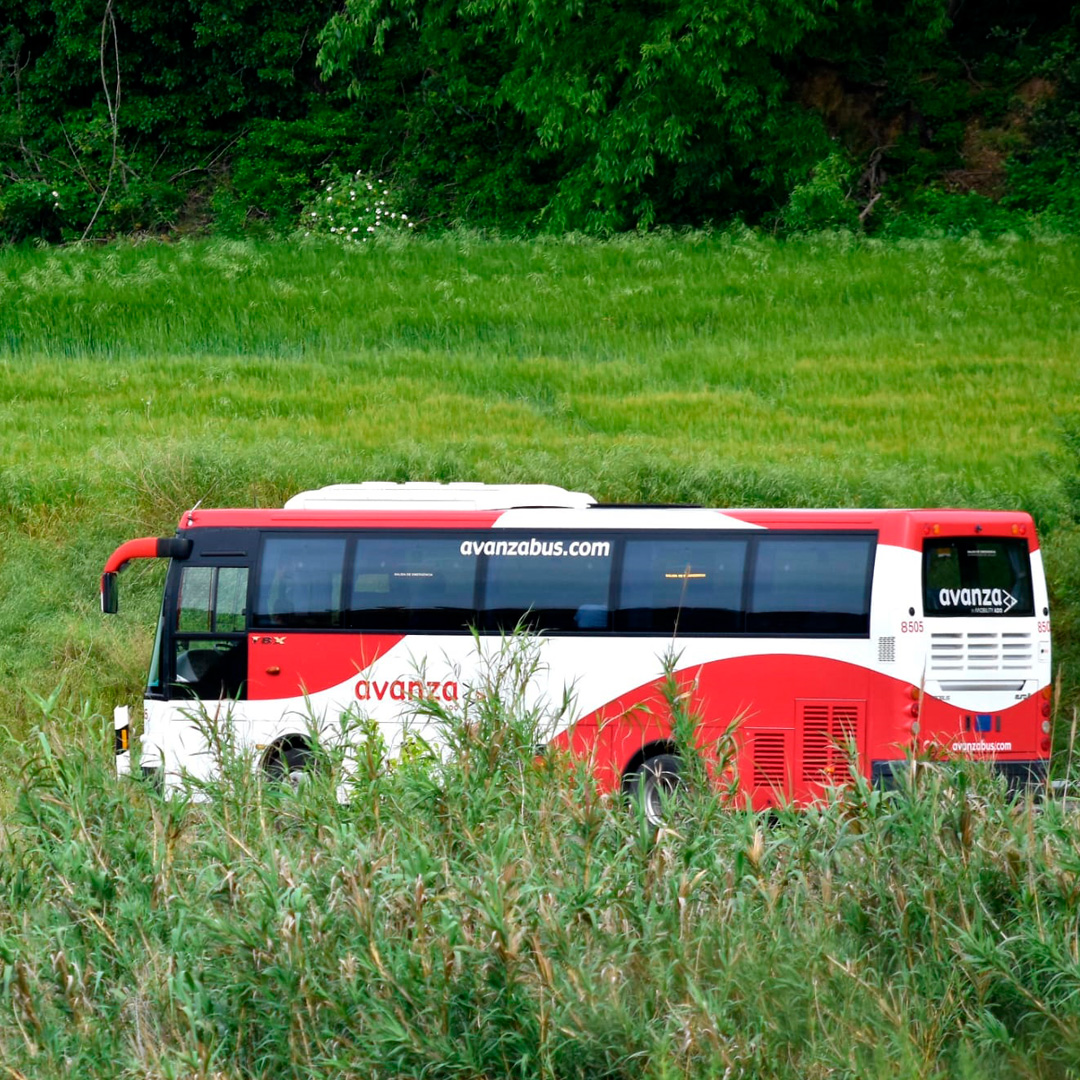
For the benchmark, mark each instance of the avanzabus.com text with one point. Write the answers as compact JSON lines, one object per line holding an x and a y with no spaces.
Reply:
{"x":535,"y":547}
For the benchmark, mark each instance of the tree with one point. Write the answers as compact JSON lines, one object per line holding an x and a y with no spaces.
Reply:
{"x":669,"y":111}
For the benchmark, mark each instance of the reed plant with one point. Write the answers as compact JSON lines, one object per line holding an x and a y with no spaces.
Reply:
{"x":486,"y":912}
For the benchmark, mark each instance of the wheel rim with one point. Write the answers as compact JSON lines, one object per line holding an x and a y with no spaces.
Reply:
{"x":658,"y":792}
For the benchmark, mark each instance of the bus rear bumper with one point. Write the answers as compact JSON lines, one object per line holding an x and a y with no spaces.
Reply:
{"x":1018,"y":774}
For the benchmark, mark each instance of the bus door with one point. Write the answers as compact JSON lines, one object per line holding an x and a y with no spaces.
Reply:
{"x":208,"y":642}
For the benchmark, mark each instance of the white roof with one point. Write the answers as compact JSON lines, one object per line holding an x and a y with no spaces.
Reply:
{"x":385,"y":495}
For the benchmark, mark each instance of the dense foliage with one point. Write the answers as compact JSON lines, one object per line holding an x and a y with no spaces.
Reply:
{"x":119,"y":116}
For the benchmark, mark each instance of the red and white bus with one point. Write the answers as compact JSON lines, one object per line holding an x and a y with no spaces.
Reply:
{"x":892,"y":630}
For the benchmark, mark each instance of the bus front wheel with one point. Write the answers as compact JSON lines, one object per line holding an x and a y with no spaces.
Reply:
{"x":290,"y":762}
{"x":653,"y":786}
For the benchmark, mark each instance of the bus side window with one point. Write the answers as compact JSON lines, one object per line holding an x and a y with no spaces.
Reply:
{"x":564,"y":586}
{"x":196,"y":595}
{"x":686,"y":585}
{"x":299,"y":582}
{"x":230,"y":602}
{"x":412,"y":583}
{"x":212,"y":599}
{"x":817,"y":584}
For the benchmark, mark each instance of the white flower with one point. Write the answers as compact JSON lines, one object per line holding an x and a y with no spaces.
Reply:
{"x":355,"y":228}
{"x":369,"y":187}
{"x":410,"y":224}
{"x":56,"y":194}
{"x":313,"y":214}
{"x":371,"y":228}
{"x":404,"y":217}
{"x":329,"y":198}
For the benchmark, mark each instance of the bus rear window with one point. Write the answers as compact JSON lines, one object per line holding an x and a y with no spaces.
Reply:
{"x":972,"y":575}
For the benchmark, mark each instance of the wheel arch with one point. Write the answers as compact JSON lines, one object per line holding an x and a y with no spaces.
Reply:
{"x":277,"y":750}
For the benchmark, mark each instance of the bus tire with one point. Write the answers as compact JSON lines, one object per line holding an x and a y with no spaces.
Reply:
{"x":290,"y":763}
{"x":652,"y":784}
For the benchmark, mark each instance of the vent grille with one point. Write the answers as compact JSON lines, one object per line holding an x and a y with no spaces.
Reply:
{"x":828,"y":729}
{"x":770,"y":766}
{"x":981,"y":651}
{"x":886,"y":650}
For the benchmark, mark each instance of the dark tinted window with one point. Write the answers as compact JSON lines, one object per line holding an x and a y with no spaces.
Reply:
{"x":970,"y":575}
{"x":811,"y":584}
{"x":209,"y":668}
{"x":300,"y":582}
{"x":419,"y":582}
{"x":547,"y":582}
{"x":686,"y":585}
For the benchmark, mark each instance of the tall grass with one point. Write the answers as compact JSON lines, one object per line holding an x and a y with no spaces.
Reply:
{"x":488,"y":915}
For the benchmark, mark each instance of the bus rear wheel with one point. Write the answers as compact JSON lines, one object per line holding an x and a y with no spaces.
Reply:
{"x":653,"y":785}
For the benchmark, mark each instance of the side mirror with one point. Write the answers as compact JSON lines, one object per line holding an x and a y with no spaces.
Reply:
{"x":109,"y":596}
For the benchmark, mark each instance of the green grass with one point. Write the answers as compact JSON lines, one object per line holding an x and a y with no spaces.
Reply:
{"x":137,"y":380}
{"x":493,"y":917}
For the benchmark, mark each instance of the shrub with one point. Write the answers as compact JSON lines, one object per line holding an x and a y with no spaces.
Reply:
{"x":824,"y":200}
{"x":354,"y":207}
{"x":30,"y":209}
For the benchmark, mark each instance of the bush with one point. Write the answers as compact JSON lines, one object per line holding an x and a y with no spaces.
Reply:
{"x":824,"y":200}
{"x":354,"y":207}
{"x":30,"y":209}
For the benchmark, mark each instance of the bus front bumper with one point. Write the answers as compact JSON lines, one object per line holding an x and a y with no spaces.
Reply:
{"x":122,"y":739}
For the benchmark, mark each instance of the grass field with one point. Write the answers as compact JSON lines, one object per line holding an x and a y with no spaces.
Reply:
{"x":486,"y":919}
{"x":138,"y":380}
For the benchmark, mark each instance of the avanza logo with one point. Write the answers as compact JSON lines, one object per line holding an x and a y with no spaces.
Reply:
{"x":405,"y":690}
{"x":998,"y":600}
